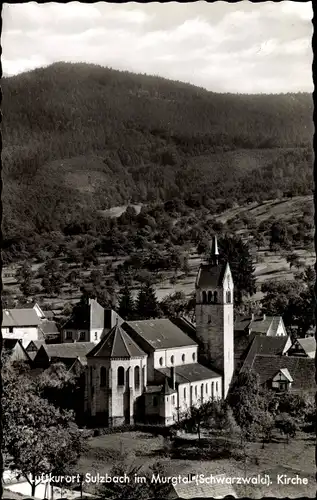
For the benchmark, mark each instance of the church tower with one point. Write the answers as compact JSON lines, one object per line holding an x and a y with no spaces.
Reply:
{"x":214,"y":314}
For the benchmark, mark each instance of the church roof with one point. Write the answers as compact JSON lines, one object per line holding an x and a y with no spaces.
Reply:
{"x":210,"y":276}
{"x":192,"y":372}
{"x":116,"y":344}
{"x":159,"y":333}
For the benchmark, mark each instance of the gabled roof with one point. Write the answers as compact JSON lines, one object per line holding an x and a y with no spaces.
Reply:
{"x":36,"y":343}
{"x":308,"y":344}
{"x":210,"y":276}
{"x":159,"y":333}
{"x":265,"y":345}
{"x":266,"y":325}
{"x":302,"y":370}
{"x":19,"y":317}
{"x":286,"y":374}
{"x":192,"y":372}
{"x":68,"y":350}
{"x":116,"y":344}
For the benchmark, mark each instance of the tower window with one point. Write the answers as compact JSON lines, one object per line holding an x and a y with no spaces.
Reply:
{"x":161,"y":361}
{"x":204,"y":297}
{"x":121,"y":376}
{"x":209,"y":297}
{"x":172,"y":360}
{"x":215,"y":297}
{"x":137,"y":377}
{"x":103,"y":376}
{"x":183,"y":358}
{"x":228,"y":297}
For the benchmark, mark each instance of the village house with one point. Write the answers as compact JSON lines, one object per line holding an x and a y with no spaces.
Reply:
{"x":13,"y":350}
{"x":89,"y":323}
{"x":21,"y":324}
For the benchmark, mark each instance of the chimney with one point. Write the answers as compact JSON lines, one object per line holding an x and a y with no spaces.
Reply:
{"x":173,"y":378}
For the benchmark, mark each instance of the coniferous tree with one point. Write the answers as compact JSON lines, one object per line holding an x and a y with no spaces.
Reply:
{"x":147,"y":304}
{"x":234,"y":251}
{"x":126,"y":303}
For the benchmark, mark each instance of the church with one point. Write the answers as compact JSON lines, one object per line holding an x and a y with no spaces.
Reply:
{"x":151,"y":371}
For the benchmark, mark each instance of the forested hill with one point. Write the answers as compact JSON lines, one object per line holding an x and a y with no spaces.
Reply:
{"x":78,"y":138}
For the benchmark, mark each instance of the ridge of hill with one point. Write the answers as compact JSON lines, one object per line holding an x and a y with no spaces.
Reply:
{"x":79,"y":138}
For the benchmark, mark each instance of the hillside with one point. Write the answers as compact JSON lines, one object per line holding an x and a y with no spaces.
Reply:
{"x":79,"y":138}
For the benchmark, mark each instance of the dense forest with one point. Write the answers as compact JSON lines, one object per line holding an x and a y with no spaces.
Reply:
{"x":79,"y":138}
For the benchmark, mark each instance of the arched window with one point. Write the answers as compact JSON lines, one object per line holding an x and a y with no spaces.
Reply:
{"x":204,"y":297}
{"x":183,"y":358}
{"x":215,"y":297}
{"x":206,"y":388}
{"x":184,"y":393}
{"x":103,"y":376}
{"x":194,"y":356}
{"x":217,"y":387}
{"x":161,"y":361}
{"x":172,"y":360}
{"x":121,"y":375}
{"x":212,"y":389}
{"x":209,"y":297}
{"x":173,"y":400}
{"x":228,"y":297}
{"x":137,"y":377}
{"x":196,"y":391}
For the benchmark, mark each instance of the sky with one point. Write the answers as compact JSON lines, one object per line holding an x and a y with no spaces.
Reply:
{"x":241,"y":47}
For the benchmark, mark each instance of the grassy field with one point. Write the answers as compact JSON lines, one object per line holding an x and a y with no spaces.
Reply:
{"x":137,"y":448}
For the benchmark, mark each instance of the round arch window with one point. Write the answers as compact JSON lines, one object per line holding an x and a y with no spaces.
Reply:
{"x":194,"y":356}
{"x":172,"y":360}
{"x":183,"y":358}
{"x":161,"y":361}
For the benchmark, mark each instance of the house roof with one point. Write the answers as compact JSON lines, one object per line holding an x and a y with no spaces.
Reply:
{"x":210,"y":275}
{"x":308,"y":344}
{"x":111,"y":318}
{"x":302,"y":370}
{"x":36,"y":343}
{"x":159,"y":333}
{"x":116,"y":344}
{"x":49,"y":327}
{"x":286,"y":374}
{"x":68,"y":350}
{"x":265,"y":345}
{"x":266,"y":325}
{"x":192,"y":372}
{"x":20,"y":317}
{"x":216,"y":489}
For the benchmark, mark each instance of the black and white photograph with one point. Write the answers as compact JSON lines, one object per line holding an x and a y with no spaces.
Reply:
{"x":158,"y":256}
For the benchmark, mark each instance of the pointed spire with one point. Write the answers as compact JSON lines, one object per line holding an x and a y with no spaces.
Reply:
{"x":214,"y":253}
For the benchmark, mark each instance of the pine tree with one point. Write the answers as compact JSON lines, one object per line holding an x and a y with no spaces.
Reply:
{"x":237,"y":253}
{"x":126,"y":303}
{"x":147,"y":303}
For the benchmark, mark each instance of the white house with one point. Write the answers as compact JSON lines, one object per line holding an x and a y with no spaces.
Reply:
{"x":21,"y":324}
